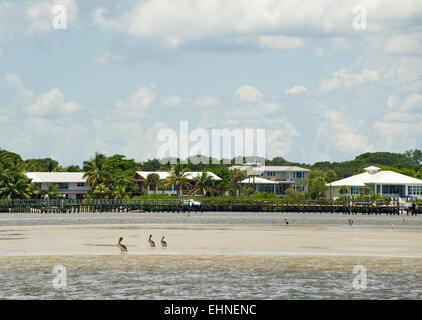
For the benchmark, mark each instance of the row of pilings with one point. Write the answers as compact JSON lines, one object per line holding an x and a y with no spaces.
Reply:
{"x":208,"y":205}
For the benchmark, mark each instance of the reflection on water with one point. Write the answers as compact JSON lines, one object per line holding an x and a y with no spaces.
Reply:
{"x":209,"y":277}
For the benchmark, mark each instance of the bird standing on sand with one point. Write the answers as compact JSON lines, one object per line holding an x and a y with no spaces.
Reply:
{"x":163,"y":243}
{"x":122,"y":247}
{"x":151,"y":243}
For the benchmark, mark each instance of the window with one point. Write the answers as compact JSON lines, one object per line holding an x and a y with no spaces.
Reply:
{"x":266,"y":188}
{"x":298,"y":174}
{"x":62,"y":186}
{"x":79,"y":196}
{"x":414,"y":190}
{"x":388,"y":189}
{"x":80,"y":184}
{"x":378,"y":188}
{"x":298,"y":188}
{"x":354,"y":190}
{"x":271,"y":173}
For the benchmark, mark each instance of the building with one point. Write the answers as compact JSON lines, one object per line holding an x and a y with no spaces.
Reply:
{"x":141,"y":177}
{"x":274,"y":179}
{"x":72,"y":185}
{"x":382,"y":182}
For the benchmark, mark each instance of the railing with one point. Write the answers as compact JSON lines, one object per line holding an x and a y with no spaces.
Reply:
{"x":207,"y":204}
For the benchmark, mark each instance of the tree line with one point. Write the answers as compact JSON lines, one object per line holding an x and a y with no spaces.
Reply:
{"x":113,"y":177}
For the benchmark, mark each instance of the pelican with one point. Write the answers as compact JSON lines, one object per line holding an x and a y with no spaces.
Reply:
{"x":163,"y":243}
{"x":122,"y":247}
{"x":151,"y":243}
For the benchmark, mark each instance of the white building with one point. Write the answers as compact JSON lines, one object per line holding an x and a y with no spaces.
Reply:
{"x":274,"y":179}
{"x":141,"y":177}
{"x":385,"y":183}
{"x":71,"y":184}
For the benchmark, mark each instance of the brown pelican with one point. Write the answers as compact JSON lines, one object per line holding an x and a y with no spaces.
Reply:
{"x":151,"y":243}
{"x":163,"y":243}
{"x":122,"y":247}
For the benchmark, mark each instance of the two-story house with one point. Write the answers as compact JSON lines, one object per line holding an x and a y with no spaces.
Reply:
{"x":274,"y":179}
{"x":71,"y":185}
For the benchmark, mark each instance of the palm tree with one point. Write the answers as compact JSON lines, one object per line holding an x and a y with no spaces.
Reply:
{"x":101,"y":191}
{"x":179,"y":178}
{"x":51,"y":193}
{"x":15,"y":186}
{"x":236,"y":175}
{"x":161,"y":185}
{"x":203,"y":184}
{"x":152,"y":181}
{"x":120,"y":192}
{"x":330,"y":176}
{"x":343,"y":190}
{"x":97,"y":170}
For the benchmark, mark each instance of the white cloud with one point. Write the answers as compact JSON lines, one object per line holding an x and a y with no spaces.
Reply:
{"x":344,"y":78}
{"x":404,"y":44}
{"x":50,"y":103}
{"x":296,"y":90}
{"x":248,"y":93}
{"x":138,"y":101}
{"x":172,"y":101}
{"x":335,"y":129}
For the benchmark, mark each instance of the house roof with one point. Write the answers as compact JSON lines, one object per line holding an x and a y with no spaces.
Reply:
{"x":190,"y":175}
{"x":380,"y":177}
{"x":259,"y":180}
{"x":59,"y":177}
{"x":260,"y":168}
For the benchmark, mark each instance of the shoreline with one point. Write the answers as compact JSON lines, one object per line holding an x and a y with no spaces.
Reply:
{"x":212,"y":239}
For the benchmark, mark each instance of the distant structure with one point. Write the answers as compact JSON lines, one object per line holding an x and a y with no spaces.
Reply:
{"x":383,"y":182}
{"x":141,"y":178}
{"x":274,"y":179}
{"x":71,"y":185}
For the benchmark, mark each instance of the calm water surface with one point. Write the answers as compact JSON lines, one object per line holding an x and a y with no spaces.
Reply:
{"x":207,"y":277}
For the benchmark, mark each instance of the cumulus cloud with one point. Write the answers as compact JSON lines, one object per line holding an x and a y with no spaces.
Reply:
{"x":296,"y":90}
{"x":334,"y":129}
{"x":344,"y":78}
{"x":51,"y":102}
{"x":248,"y":93}
{"x":172,"y":101}
{"x":138,"y":101}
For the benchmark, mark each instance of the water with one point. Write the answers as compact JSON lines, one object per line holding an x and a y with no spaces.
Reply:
{"x":209,"y":277}
{"x":223,"y":276}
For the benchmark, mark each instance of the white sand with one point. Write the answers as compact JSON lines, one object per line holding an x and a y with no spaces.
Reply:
{"x":209,"y":239}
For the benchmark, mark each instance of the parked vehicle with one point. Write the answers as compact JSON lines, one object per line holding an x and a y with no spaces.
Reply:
{"x":191,"y":203}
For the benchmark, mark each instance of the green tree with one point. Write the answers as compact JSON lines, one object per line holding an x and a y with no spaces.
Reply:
{"x":15,"y":185}
{"x":120,"y":192}
{"x":101,"y":191}
{"x":330,"y":176}
{"x":203,"y":183}
{"x":51,"y":193}
{"x":178,"y":177}
{"x":97,"y":170}
{"x":152,"y":181}
{"x":236,"y":176}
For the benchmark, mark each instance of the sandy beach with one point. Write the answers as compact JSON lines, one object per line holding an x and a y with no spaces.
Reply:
{"x":212,"y":256}
{"x":213,"y":239}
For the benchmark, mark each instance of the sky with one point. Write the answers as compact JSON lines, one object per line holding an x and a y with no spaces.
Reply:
{"x":327,"y":80}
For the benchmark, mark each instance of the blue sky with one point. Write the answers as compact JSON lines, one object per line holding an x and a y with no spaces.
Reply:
{"x":122,"y":71}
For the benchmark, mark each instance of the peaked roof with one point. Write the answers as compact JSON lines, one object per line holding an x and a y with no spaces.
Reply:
{"x":381,"y":177}
{"x":190,"y":175}
{"x":260,"y":168}
{"x":59,"y":177}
